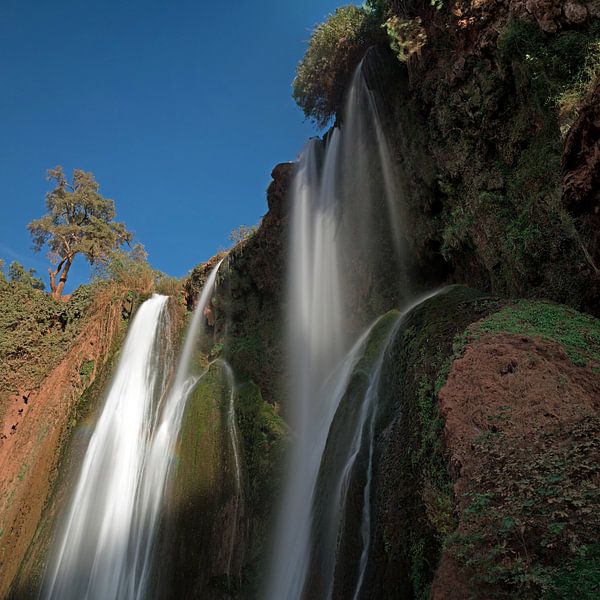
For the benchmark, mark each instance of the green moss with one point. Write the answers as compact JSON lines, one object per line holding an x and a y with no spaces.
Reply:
{"x":204,"y":488}
{"x":378,"y":338}
{"x":577,"y":333}
{"x":201,"y":491}
{"x":201,"y":437}
{"x":264,"y":437}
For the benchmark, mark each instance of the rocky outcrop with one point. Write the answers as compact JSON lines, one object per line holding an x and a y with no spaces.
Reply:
{"x":486,"y":467}
{"x":214,"y":526}
{"x":250,"y":295}
{"x":247,"y":330}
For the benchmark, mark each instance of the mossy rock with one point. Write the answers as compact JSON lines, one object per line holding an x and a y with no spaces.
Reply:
{"x":336,"y":532}
{"x":414,"y":512}
{"x":214,"y":532}
{"x":200,"y":509}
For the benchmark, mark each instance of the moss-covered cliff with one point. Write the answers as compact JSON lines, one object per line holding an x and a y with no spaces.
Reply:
{"x":216,"y":519}
{"x":485,"y":478}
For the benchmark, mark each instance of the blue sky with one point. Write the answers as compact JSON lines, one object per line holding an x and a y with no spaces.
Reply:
{"x":179,"y":108}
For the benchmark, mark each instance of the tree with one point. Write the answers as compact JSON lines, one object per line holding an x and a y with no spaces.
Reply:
{"x":79,"y":221}
{"x":18,"y":273}
{"x":242,"y":233}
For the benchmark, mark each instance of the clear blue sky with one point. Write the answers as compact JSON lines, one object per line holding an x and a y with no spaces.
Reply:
{"x":179,"y":108}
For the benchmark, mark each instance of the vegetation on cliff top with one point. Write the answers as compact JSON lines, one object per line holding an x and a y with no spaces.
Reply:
{"x":337,"y":46}
{"x":335,"y":49}
{"x":79,"y":221}
{"x":36,"y":331}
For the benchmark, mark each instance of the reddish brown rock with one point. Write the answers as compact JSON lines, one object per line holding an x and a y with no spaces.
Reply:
{"x":575,"y":13}
{"x":520,"y":393}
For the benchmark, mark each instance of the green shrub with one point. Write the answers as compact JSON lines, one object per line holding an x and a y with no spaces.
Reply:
{"x":131,"y":269}
{"x":560,"y":68}
{"x":334,"y":51}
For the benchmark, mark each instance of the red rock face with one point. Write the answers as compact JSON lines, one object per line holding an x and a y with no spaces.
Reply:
{"x":521,"y":392}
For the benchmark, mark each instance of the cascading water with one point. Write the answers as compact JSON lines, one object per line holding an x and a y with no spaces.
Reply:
{"x":344,"y":198}
{"x":235,"y":449}
{"x":105,"y":551}
{"x":93,"y":557}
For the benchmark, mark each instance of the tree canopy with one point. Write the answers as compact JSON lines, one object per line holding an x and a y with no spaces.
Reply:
{"x":79,"y":221}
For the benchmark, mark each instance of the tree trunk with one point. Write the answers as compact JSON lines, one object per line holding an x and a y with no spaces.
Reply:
{"x":65,"y":265}
{"x":53,"y":276}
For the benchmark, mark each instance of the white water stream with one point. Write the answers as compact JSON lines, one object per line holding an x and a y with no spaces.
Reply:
{"x":235,"y":449}
{"x":340,"y":187}
{"x":105,"y":550}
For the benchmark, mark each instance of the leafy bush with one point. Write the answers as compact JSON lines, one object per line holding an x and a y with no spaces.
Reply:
{"x":334,"y":51}
{"x":560,"y":68}
{"x":407,"y":37}
{"x":129,"y":268}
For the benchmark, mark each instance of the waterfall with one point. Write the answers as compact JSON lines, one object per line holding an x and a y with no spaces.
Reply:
{"x":354,"y":435}
{"x":235,"y":449}
{"x":345,"y":217}
{"x":105,"y":550}
{"x":93,"y":555}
